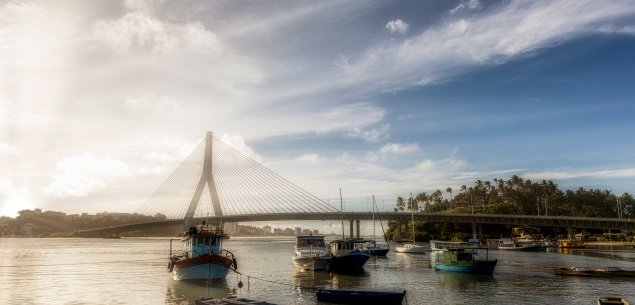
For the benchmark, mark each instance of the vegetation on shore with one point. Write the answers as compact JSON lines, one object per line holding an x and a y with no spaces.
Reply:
{"x":516,"y":196}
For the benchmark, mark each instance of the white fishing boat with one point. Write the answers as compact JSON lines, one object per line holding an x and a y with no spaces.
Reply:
{"x":310,"y":253}
{"x":203,"y":257}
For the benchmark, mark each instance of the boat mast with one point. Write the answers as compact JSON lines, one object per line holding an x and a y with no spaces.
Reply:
{"x":379,"y":216}
{"x":412,"y":214}
{"x":342,"y":213}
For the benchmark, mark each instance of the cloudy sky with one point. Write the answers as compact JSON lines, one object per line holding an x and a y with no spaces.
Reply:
{"x":101,"y":100}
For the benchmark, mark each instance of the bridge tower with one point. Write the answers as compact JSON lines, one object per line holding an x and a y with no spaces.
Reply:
{"x":206,"y":178}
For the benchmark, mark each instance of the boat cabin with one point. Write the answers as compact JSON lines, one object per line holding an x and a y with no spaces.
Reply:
{"x":309,"y":241}
{"x":343,"y":247}
{"x":202,"y":239}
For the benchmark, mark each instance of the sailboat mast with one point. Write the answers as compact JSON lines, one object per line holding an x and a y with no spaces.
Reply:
{"x":412,"y":214}
{"x":373,"y":217}
{"x":342,"y":213}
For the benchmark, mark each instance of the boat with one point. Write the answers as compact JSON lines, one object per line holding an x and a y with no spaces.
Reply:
{"x":203,"y":257}
{"x":374,"y":250}
{"x":612,"y":301}
{"x":571,"y":244}
{"x":597,"y":272}
{"x":348,"y":255}
{"x":516,"y":246}
{"x":460,"y":257}
{"x":359,"y":297}
{"x":230,"y":300}
{"x":372,"y":247}
{"x":310,"y":253}
{"x":413,"y":247}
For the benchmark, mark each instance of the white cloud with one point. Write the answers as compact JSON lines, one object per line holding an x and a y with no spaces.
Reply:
{"x":151,"y":100}
{"x":466,"y":42}
{"x":469,"y":5}
{"x":572,"y":174}
{"x":399,"y":149}
{"x":629,"y":29}
{"x":239,"y":143}
{"x":138,"y":32}
{"x":370,"y":134}
{"x":397,"y":26}
{"x":77,"y":176}
{"x":7,"y":149}
{"x":309,"y":158}
{"x":5,"y":184}
{"x":425,"y":165}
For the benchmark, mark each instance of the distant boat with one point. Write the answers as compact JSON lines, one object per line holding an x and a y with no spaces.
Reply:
{"x":460,"y":257}
{"x":203,"y":257}
{"x":348,"y":255}
{"x":372,"y":247}
{"x":310,"y":253}
{"x":598,"y":272}
{"x":571,"y":244}
{"x":413,"y":247}
{"x":515,"y":246}
{"x":230,"y":300}
{"x":612,"y":301}
{"x":360,"y":297}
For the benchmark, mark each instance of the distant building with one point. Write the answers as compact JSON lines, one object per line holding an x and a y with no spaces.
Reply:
{"x":298,"y":231}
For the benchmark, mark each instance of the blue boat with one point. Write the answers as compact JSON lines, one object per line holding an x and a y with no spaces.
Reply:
{"x":348,"y":255}
{"x":360,"y":297}
{"x":460,"y":257}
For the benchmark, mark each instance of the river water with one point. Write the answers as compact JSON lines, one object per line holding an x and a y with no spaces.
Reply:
{"x":133,"y":271}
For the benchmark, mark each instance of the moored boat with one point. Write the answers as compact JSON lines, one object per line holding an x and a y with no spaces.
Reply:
{"x":376,"y":250}
{"x":359,"y":297}
{"x":411,"y":248}
{"x":571,"y":244}
{"x":310,"y":253}
{"x":612,"y":301}
{"x":348,"y":255}
{"x":514,"y":246}
{"x":203,"y":257}
{"x":597,"y":272}
{"x":460,"y":257}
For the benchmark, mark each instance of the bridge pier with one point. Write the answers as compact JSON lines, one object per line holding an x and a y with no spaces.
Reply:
{"x":351,"y":228}
{"x":399,"y":237}
{"x":357,"y":221}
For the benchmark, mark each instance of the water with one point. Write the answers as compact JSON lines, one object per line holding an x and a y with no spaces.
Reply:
{"x":133,"y":271}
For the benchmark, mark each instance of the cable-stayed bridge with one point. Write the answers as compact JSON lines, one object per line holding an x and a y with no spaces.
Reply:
{"x":218,"y":183}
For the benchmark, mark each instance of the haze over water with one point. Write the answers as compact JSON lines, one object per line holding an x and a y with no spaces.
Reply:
{"x":133,"y":271}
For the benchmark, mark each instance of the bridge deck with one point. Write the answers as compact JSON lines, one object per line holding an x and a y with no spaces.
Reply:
{"x":537,"y":221}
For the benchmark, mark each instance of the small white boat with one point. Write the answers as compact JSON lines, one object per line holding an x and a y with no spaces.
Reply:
{"x":310,"y":253}
{"x":411,"y":248}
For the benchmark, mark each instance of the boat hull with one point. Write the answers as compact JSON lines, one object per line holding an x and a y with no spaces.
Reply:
{"x":378,"y":251}
{"x":359,"y":297}
{"x":409,"y":248}
{"x":530,"y":248}
{"x":204,"y":267}
{"x":475,"y":267}
{"x":312,"y":263}
{"x":353,"y":261}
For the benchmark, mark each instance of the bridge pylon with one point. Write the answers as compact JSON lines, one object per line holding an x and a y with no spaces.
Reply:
{"x":207,"y":177}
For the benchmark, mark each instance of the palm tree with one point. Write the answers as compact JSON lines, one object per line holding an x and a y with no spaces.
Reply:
{"x":449,"y":190}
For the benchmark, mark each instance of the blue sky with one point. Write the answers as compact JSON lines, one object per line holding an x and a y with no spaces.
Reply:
{"x":101,"y":100}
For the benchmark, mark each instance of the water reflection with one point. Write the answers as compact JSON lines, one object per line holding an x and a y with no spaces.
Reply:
{"x":463,"y":281}
{"x":186,"y":292}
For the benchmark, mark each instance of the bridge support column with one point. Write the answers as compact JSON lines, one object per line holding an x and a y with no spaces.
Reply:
{"x":399,"y":236}
{"x":407,"y":230}
{"x":474,"y":232}
{"x":357,"y":221}
{"x":351,"y":228}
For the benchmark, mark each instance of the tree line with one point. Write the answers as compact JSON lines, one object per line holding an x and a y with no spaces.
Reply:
{"x":515,"y":196}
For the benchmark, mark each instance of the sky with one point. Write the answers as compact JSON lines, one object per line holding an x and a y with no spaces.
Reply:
{"x":101,"y":100}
